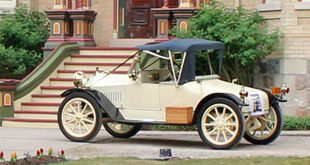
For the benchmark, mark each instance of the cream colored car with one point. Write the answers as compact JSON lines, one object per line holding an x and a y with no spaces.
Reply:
{"x":163,"y":87}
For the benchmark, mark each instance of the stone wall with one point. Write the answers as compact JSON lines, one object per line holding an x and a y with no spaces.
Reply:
{"x":104,"y":21}
{"x":291,"y":64}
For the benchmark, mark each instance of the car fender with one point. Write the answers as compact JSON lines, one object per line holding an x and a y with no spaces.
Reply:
{"x":110,"y":110}
{"x":272,"y":98}
{"x":229,"y":96}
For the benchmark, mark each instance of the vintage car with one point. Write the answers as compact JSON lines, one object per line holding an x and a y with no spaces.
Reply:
{"x":162,"y":87}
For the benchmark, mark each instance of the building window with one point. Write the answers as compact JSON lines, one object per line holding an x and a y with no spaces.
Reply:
{"x":121,"y":15}
{"x":183,"y":26}
{"x":78,"y":28}
{"x":67,"y":28}
{"x":56,"y":28}
{"x":162,"y":27}
{"x":7,"y":102}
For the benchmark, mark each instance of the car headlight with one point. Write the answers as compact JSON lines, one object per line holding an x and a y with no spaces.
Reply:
{"x":79,"y":79}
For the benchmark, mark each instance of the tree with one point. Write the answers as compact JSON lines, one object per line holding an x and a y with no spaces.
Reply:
{"x":246,"y":40}
{"x":22,"y":35}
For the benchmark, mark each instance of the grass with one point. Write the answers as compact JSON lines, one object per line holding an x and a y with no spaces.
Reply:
{"x":217,"y":161}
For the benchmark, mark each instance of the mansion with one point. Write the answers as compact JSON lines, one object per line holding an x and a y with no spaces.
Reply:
{"x":127,"y":23}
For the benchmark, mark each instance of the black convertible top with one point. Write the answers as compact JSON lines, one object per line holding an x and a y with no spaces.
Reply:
{"x":189,"y":45}
{"x":185,"y":45}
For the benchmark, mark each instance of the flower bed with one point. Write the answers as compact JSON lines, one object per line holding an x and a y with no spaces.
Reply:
{"x":40,"y":158}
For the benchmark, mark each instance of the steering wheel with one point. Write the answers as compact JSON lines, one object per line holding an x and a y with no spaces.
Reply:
{"x":175,"y":65}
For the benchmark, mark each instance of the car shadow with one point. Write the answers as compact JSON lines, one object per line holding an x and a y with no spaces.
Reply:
{"x":189,"y":144}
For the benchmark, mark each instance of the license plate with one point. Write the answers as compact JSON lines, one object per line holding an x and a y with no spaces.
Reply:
{"x":256,"y":103}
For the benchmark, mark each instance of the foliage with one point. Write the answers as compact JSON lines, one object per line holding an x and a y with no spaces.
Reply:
{"x":296,"y":123}
{"x":246,"y":40}
{"x":22,"y":35}
{"x":15,"y":62}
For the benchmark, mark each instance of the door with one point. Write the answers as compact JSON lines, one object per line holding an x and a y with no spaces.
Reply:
{"x":139,"y":18}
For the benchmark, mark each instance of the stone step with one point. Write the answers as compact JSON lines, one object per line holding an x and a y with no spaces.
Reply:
{"x":89,"y":73}
{"x":54,"y":89}
{"x":107,"y":51}
{"x":40,"y":106}
{"x":93,"y":65}
{"x":54,"y":98}
{"x":41,"y":112}
{"x":101,"y":58}
{"x":22,"y":114}
{"x":61,"y":81}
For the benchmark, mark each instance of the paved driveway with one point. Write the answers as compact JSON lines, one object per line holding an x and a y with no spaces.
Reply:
{"x":145,"y":144}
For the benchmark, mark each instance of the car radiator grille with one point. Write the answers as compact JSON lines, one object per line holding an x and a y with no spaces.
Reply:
{"x":113,"y":96}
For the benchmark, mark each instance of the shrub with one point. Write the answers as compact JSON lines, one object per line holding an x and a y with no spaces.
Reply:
{"x":22,"y":35}
{"x":246,"y":41}
{"x":296,"y":123}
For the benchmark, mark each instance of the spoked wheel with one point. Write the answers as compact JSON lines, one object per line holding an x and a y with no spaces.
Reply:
{"x":79,"y":117}
{"x":270,"y":129}
{"x":119,"y":130}
{"x":220,"y":124}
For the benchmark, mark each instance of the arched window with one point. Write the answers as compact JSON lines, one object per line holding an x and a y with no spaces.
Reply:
{"x":162,"y":27}
{"x":56,"y":28}
{"x":7,"y":99}
{"x":67,"y":28}
{"x":78,"y":28}
{"x":183,"y":25}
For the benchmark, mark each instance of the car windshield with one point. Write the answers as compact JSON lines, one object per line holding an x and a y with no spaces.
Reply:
{"x":188,"y":58}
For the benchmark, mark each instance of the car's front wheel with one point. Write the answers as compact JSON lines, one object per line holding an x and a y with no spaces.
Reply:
{"x":220,"y":123}
{"x":79,"y":117}
{"x":120,"y":130}
{"x":270,"y":127}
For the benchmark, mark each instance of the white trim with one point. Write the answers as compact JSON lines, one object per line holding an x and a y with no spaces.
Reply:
{"x":271,"y":6}
{"x":7,"y":5}
{"x":302,"y":5}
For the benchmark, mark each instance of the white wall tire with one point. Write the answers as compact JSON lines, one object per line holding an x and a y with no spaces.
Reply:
{"x":272,"y":124}
{"x":120,"y":130}
{"x":79,"y":117}
{"x":220,"y":123}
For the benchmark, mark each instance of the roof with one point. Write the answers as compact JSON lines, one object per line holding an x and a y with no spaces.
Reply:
{"x":188,"y":44}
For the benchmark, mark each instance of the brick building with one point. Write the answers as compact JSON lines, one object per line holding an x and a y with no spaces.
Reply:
{"x":130,"y":22}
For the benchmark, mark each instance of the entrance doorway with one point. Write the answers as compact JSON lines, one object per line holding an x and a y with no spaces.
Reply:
{"x":136,"y":19}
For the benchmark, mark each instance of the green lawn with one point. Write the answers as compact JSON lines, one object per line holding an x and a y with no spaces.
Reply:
{"x":224,"y":161}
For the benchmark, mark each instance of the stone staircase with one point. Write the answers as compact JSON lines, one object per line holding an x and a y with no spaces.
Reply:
{"x":40,"y":110}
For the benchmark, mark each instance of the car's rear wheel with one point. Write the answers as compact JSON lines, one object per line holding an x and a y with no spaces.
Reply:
{"x":120,"y":130}
{"x":79,"y":117}
{"x":220,"y":123}
{"x":270,"y":129}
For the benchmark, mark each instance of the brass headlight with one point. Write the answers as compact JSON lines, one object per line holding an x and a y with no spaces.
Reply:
{"x":79,"y":79}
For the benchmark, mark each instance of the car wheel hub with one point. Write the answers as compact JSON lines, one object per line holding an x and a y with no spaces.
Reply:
{"x":220,"y":124}
{"x":79,"y":117}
